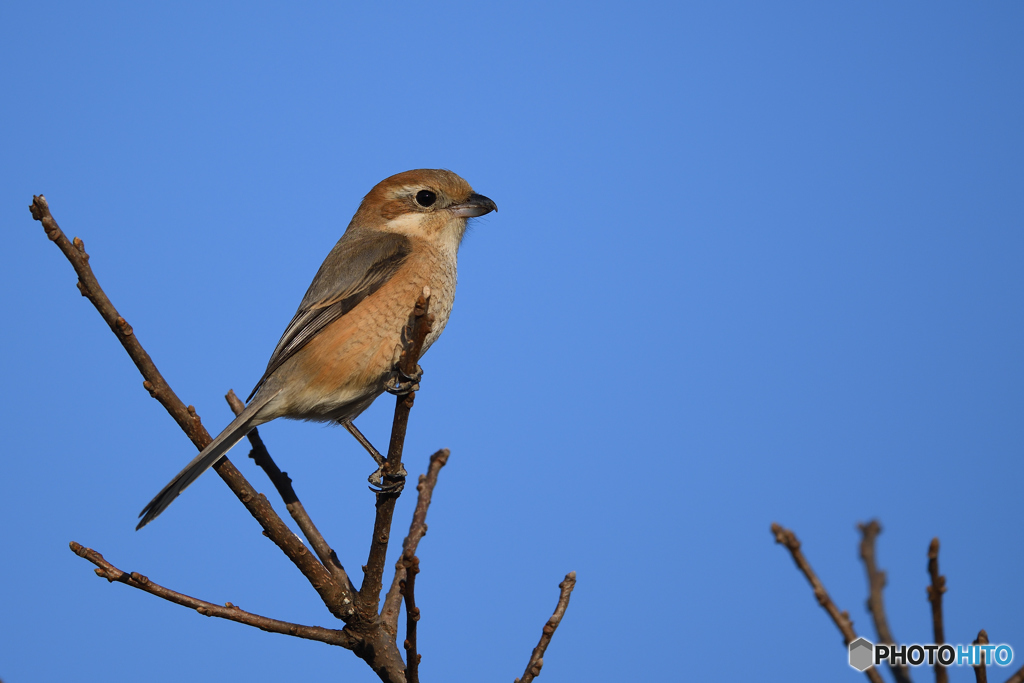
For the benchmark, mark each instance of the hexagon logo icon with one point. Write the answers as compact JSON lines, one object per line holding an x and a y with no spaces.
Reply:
{"x":861,"y":654}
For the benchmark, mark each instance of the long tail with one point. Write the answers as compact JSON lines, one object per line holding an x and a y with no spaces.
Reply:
{"x":231,"y":435}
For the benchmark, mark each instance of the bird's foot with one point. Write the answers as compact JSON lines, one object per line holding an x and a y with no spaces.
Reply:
{"x":410,"y":384}
{"x":387,"y":483}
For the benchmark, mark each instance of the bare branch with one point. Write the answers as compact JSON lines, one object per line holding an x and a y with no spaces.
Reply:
{"x":1017,"y":677}
{"x":369,"y":635}
{"x":980,"y":674}
{"x":935,"y":591}
{"x":228,"y":611}
{"x":412,"y":617}
{"x":876,"y":582}
{"x":334,"y":595}
{"x":415,"y":334}
{"x":283,"y":483}
{"x":841,"y":619}
{"x":537,"y":657}
{"x":417,"y":530}
{"x":90,"y":288}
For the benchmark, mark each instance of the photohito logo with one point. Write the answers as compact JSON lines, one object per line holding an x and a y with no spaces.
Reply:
{"x":864,"y":653}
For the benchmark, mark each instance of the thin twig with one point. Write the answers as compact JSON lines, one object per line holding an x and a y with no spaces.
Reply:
{"x":89,"y":287}
{"x":980,"y":674}
{"x":414,"y":335}
{"x":283,"y":483}
{"x":537,"y":657}
{"x":1017,"y":677}
{"x":228,"y":611}
{"x":841,"y":619}
{"x":335,"y":596}
{"x":417,"y":530}
{"x":412,"y":617}
{"x":935,"y":591}
{"x":876,"y":582}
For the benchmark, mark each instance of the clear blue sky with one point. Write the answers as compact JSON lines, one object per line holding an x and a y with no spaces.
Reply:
{"x":754,"y":262}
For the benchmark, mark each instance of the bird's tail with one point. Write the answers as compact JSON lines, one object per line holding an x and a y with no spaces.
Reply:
{"x":231,"y":435}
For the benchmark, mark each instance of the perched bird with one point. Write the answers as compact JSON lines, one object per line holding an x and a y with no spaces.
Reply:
{"x":339,"y":352}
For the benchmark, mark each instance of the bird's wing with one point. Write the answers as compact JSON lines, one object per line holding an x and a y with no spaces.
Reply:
{"x":359,"y":265}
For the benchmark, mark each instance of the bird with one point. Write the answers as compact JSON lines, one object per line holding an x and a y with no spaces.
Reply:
{"x":341,"y":348}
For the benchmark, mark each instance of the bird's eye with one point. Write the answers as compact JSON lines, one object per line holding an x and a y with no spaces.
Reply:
{"x":425,"y":198}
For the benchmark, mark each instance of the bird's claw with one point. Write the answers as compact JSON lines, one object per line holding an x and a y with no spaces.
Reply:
{"x":410,"y":384}
{"x":416,"y":375}
{"x":402,"y":388}
{"x":387,"y":483}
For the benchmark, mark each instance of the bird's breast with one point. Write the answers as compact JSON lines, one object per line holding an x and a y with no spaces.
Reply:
{"x":346,"y":366}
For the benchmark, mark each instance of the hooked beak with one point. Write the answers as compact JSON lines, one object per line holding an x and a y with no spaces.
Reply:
{"x":476,"y":205}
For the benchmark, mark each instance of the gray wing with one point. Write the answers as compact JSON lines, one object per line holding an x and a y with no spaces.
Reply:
{"x":359,"y":265}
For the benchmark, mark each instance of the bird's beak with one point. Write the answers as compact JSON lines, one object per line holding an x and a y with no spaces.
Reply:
{"x":476,"y":205}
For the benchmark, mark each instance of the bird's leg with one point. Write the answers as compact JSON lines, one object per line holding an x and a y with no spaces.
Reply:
{"x":411,"y":383}
{"x":396,"y":482}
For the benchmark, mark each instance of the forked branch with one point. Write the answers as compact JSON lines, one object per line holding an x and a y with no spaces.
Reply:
{"x":876,"y":580}
{"x":369,"y":635}
{"x":334,"y":595}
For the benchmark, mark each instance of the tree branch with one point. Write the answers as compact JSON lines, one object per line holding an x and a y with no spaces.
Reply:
{"x":335,"y":596}
{"x":414,"y":335}
{"x":412,"y":617}
{"x":980,"y":674}
{"x":537,"y":657}
{"x":876,"y":582}
{"x":935,"y":591}
{"x":90,"y":288}
{"x":283,"y":483}
{"x":228,"y":611}
{"x":841,"y":619}
{"x":369,"y":635}
{"x":1017,"y":677}
{"x":417,"y":530}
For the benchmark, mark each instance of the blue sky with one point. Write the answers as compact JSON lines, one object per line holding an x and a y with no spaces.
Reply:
{"x":753,"y":262}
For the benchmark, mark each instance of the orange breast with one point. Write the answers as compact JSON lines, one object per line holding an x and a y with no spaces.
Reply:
{"x":348,"y":362}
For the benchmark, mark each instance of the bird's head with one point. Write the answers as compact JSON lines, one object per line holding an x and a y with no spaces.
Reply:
{"x":427,"y":203}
